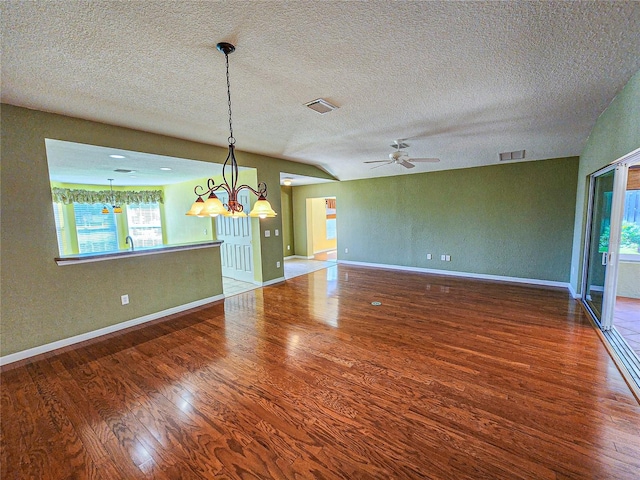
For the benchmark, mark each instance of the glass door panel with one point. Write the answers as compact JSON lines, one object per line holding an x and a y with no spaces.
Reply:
{"x":599,"y":239}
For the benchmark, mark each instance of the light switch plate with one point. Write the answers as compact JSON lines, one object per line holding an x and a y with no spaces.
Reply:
{"x":277,"y":232}
{"x":267,"y":233}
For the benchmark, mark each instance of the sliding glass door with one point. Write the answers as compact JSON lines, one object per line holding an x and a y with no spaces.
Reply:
{"x":603,"y":242}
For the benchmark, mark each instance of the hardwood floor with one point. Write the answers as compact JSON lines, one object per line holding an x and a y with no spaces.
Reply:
{"x":448,"y":378}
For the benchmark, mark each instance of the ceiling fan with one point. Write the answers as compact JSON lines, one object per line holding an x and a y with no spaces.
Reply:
{"x":400,"y":157}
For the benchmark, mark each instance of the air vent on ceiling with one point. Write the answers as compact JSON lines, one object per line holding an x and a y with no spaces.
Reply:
{"x":516,"y":155}
{"x":320,"y":105}
{"x":123,"y":170}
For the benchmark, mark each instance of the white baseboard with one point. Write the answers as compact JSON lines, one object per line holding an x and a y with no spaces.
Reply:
{"x":303,"y":257}
{"x":532,"y":281}
{"x":573,"y":293}
{"x":31,"y":352}
{"x":273,"y":282}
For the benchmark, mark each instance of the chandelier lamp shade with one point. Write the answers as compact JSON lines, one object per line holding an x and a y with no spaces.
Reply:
{"x":116,"y":208}
{"x":213,"y":206}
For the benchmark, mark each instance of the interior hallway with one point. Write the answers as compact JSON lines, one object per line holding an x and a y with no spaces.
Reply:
{"x":293,"y":267}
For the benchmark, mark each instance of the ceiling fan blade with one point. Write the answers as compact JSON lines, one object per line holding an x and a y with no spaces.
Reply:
{"x":406,"y":164}
{"x":428,"y":160}
{"x":378,"y":166}
{"x":376,"y":161}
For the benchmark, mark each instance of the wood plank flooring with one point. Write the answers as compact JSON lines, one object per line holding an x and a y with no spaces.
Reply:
{"x":447,"y":379}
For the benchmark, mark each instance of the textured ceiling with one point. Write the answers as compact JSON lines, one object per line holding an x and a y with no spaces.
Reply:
{"x":461,"y":81}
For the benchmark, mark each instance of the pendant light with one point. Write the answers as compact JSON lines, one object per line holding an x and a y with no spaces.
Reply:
{"x":213,"y":207}
{"x":116,"y":208}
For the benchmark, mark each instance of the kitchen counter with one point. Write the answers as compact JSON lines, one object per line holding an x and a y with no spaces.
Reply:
{"x":99,"y":257}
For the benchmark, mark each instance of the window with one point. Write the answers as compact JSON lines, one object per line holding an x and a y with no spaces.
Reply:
{"x":96,"y":231}
{"x":630,"y":234}
{"x":58,"y":216}
{"x":144,"y":222}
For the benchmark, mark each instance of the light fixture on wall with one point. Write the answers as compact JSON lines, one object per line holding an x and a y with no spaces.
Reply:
{"x":116,"y":208}
{"x":213,"y":207}
{"x":287,"y":181}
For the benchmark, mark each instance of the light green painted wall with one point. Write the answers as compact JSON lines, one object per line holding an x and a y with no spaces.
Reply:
{"x":616,"y":133}
{"x":180,"y":228}
{"x":286,"y":206}
{"x":510,"y":220}
{"x":42,"y":302}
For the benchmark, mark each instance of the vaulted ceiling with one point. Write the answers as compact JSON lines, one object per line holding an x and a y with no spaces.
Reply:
{"x":461,"y":81}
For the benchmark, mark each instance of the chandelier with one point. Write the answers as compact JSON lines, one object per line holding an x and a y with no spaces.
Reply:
{"x":116,"y":208}
{"x":213,"y":207}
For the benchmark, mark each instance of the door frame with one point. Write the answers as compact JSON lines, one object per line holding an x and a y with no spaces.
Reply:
{"x":621,"y":167}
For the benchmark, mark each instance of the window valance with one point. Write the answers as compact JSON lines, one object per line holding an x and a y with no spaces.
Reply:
{"x":68,"y":196}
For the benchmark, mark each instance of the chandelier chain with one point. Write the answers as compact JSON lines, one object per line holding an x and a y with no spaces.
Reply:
{"x":231,"y":138}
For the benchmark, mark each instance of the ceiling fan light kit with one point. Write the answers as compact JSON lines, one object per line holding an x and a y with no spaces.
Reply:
{"x":213,"y":206}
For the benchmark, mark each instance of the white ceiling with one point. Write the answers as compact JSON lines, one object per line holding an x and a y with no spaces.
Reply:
{"x":461,"y":81}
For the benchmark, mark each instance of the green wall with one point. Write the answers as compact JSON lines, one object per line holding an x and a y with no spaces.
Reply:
{"x":511,"y":220}
{"x":616,"y":133}
{"x":286,"y":205}
{"x":180,"y":228}
{"x":42,"y":302}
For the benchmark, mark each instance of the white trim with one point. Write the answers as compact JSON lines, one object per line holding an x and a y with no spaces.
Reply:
{"x":273,"y":282}
{"x":573,"y":293}
{"x":532,"y":281}
{"x":304,"y":257}
{"x":65,"y":342}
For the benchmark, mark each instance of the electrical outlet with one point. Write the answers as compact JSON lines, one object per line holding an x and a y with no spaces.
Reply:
{"x":428,"y":256}
{"x":346,"y":250}
{"x":124,"y":299}
{"x":447,"y":258}
{"x":205,"y":231}
{"x":267,"y":233}
{"x":278,"y":264}
{"x":288,"y":247}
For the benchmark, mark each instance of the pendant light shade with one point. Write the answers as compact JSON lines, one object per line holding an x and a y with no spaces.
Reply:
{"x":213,"y":207}
{"x":262,"y":209}
{"x":196,"y":208}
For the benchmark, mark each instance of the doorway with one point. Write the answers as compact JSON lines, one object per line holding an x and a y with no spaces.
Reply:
{"x":237,"y":250}
{"x":322,"y":232}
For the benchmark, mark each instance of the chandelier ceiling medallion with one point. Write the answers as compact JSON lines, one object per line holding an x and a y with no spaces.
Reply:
{"x":213,"y":207}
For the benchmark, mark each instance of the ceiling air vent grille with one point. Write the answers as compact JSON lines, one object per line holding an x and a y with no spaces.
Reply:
{"x":516,"y":155}
{"x":321,"y":106}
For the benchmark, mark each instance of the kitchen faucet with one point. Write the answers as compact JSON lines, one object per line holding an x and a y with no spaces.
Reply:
{"x":129,"y":241}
